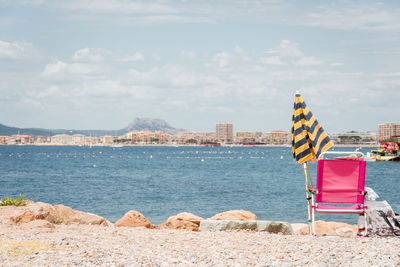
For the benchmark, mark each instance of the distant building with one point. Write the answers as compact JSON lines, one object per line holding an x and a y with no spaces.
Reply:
{"x":387,"y":130}
{"x":188,"y":137}
{"x":248,"y":137}
{"x":276,"y":138}
{"x":108,"y":139}
{"x":224,"y":132}
{"x":40,"y":139}
{"x":148,"y":137}
{"x":79,"y":139}
{"x":354,"y":137}
{"x":4,"y":140}
{"x":22,"y":139}
{"x":89,"y":140}
{"x":62,"y":139}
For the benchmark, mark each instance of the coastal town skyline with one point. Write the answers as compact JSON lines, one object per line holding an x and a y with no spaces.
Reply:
{"x":224,"y":134}
{"x":149,"y":124}
{"x":90,"y":65}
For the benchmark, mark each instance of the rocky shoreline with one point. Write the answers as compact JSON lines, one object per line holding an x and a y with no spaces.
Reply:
{"x":40,"y":234}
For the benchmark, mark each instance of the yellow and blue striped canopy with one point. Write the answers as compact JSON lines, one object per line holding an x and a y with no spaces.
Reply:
{"x":309,"y":139}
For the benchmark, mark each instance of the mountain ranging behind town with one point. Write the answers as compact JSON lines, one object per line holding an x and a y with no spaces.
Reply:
{"x":138,"y":124}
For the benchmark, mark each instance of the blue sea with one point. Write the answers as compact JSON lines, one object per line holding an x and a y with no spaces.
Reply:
{"x":163,"y":181}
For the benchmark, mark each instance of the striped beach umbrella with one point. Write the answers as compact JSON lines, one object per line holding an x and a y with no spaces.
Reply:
{"x":309,"y":139}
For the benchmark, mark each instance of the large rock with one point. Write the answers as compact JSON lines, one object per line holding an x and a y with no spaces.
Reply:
{"x":235,"y":215}
{"x":38,"y":224}
{"x":183,"y":221}
{"x":327,"y":228}
{"x":223,"y":225}
{"x":68,"y":215}
{"x":297,"y":227}
{"x":377,"y":225}
{"x":275,"y":227}
{"x":134,"y":219}
{"x":30,"y":212}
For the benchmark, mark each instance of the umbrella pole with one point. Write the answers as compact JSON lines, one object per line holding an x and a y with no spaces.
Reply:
{"x":305,"y":168}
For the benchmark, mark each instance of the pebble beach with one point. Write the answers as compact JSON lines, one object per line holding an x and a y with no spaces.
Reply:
{"x":93,"y":245}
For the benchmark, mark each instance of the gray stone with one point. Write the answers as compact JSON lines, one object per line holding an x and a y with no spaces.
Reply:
{"x":222,"y":225}
{"x":268,"y":226}
{"x":376,"y":224}
{"x":275,"y":227}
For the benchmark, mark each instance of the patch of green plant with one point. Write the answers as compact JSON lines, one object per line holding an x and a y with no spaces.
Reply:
{"x":9,"y":201}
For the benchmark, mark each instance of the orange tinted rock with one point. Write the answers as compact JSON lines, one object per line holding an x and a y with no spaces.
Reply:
{"x":327,"y":228}
{"x":30,"y":212}
{"x":134,"y":219}
{"x":235,"y":215}
{"x":182,"y":221}
{"x":68,"y":215}
{"x":38,"y":224}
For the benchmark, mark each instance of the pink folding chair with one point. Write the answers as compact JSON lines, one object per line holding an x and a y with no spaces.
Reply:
{"x":339,"y":182}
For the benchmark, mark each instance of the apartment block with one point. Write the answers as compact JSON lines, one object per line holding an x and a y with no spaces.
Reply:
{"x":224,"y":132}
{"x":62,"y":139}
{"x":200,"y":137}
{"x":389,"y":129}
{"x":148,"y":137}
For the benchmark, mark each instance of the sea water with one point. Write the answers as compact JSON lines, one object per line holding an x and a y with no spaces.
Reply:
{"x":163,"y":181}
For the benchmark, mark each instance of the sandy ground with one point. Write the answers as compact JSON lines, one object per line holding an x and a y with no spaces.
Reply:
{"x":83,"y":245}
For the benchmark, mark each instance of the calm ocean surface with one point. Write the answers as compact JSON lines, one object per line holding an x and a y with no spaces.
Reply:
{"x":163,"y":181}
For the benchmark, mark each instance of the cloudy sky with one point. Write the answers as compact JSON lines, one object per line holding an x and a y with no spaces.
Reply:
{"x":86,"y":64}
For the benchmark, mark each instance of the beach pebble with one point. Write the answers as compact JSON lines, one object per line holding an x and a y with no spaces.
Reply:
{"x":94,"y":245}
{"x":345,"y":232}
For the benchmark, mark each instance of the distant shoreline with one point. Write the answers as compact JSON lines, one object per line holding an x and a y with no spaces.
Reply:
{"x":180,"y":145}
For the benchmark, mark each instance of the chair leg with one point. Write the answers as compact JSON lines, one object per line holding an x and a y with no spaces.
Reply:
{"x":313,"y":216}
{"x":366,"y":224}
{"x":308,"y":197}
{"x":313,"y":222}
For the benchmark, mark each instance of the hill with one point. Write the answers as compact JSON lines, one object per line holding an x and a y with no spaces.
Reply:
{"x":147,"y":124}
{"x":6,"y":130}
{"x":138,"y":124}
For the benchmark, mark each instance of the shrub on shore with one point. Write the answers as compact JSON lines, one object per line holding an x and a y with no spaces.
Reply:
{"x":9,"y":201}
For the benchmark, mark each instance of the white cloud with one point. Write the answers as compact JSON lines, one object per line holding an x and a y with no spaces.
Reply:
{"x":156,"y":57}
{"x":100,"y":55}
{"x":54,"y":68}
{"x":166,"y":76}
{"x":388,"y":74}
{"x":238,"y":49}
{"x":274,"y":60}
{"x":222,"y":83}
{"x":136,"y":57}
{"x":189,"y":55}
{"x":309,"y":61}
{"x":91,"y":54}
{"x":222,"y":59}
{"x":17,"y":50}
{"x":355,"y":16}
{"x":118,"y":6}
{"x":288,"y":53}
{"x":62,"y":69}
{"x":289,"y":50}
